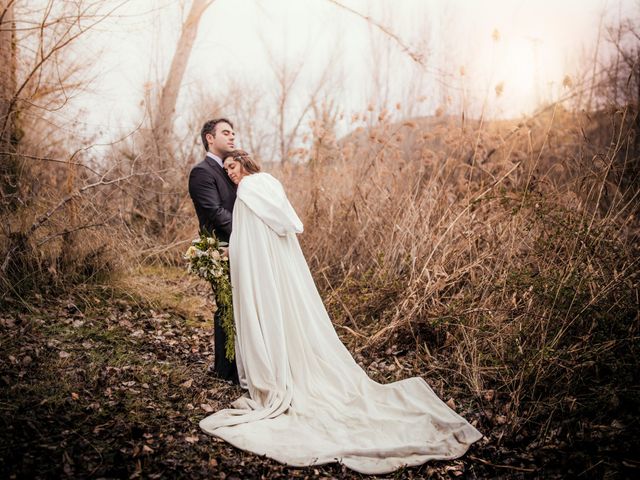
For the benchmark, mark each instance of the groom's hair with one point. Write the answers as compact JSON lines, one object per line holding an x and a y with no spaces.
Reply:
{"x":210,"y":127}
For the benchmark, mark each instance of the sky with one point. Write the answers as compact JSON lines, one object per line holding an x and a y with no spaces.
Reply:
{"x":525,"y":46}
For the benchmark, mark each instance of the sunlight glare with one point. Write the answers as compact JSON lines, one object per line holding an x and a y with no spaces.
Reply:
{"x":519,"y":71}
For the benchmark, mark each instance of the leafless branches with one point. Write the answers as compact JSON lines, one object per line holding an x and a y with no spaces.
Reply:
{"x":50,"y":41}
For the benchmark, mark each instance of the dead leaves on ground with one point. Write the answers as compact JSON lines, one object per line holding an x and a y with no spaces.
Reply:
{"x":115,"y":388}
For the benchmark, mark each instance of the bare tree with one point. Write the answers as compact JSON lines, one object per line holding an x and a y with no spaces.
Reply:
{"x":171,"y":87}
{"x":156,"y":198}
{"x":8,"y":165}
{"x":41,"y":76}
{"x":8,"y":79}
{"x":286,"y":77}
{"x":290,"y":120}
{"x":248,"y":106}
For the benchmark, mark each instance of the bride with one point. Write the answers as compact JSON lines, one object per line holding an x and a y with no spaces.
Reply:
{"x":308,"y":401}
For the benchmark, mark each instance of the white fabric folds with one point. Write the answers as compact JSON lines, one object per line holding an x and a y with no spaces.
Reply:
{"x":308,"y":401}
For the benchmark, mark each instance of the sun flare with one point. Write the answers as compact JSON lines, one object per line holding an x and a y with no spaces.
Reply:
{"x":518,"y":73}
{"x":520,"y":68}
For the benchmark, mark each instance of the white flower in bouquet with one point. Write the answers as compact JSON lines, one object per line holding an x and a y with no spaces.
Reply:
{"x":192,"y":251}
{"x":205,"y":259}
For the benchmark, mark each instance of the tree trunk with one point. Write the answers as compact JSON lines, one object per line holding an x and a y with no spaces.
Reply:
{"x":9,"y":164}
{"x":8,"y":78}
{"x":162,"y":119}
{"x":171,"y":88}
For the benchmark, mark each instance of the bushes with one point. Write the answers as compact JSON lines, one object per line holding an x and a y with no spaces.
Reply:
{"x":515,"y":271}
{"x":58,"y":235}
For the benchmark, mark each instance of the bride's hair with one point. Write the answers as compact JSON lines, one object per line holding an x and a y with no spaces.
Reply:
{"x":249,"y":164}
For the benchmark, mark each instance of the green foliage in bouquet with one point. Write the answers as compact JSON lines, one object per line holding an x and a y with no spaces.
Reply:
{"x":205,"y":259}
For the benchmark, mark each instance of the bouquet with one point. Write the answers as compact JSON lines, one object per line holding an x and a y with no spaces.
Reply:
{"x":205,"y":259}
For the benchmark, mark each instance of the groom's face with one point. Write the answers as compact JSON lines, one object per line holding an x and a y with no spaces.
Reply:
{"x":223,"y":141}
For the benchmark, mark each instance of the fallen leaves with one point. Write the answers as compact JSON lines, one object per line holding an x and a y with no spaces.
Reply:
{"x":489,"y":395}
{"x":456,"y":468}
{"x":7,"y":322}
{"x":133,"y":383}
{"x":500,"y":419}
{"x":451,"y":403}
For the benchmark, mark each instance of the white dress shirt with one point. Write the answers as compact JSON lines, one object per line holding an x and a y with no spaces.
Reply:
{"x":216,"y":158}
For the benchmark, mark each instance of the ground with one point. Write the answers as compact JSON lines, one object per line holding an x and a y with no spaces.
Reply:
{"x":110,"y":381}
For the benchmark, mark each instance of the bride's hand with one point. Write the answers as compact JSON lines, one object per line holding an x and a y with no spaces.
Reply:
{"x":224,"y":251}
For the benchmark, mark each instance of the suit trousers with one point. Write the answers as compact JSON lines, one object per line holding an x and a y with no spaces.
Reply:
{"x":222,"y":367}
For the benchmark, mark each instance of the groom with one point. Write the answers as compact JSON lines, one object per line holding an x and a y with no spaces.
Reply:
{"x":213,"y":194}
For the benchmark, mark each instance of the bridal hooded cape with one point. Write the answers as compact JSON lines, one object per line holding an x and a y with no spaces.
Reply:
{"x":308,"y":401}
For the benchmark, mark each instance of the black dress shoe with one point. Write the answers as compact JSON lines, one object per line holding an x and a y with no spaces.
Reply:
{"x":211,"y":370}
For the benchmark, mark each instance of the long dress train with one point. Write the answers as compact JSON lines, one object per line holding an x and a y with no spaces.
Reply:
{"x":308,"y":401}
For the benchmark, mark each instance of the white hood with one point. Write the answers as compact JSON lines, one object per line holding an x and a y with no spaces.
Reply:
{"x":264,"y":195}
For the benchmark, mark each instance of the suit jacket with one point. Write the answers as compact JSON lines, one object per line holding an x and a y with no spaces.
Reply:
{"x":213,"y":194}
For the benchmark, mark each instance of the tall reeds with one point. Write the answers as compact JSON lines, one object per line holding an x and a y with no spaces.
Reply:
{"x":510,"y":249}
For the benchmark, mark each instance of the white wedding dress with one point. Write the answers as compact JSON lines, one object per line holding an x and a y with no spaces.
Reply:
{"x":308,"y":401}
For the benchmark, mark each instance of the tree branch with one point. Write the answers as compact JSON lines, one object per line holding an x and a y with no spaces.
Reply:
{"x":58,"y":46}
{"x":47,"y":159}
{"x":78,"y":193}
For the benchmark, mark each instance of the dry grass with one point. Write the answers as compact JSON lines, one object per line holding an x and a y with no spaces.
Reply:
{"x":497,"y":258}
{"x":168,"y":289}
{"x":507,"y":250}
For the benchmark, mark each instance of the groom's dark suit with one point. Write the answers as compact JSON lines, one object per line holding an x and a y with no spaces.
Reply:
{"x":213,"y":194}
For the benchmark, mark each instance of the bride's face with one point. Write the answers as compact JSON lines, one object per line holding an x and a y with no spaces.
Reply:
{"x":234,"y":169}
